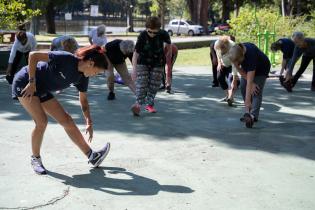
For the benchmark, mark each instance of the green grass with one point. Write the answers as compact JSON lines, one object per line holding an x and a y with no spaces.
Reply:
{"x":194,"y":57}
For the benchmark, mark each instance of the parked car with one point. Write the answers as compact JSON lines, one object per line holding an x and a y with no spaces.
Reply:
{"x":183,"y":27}
{"x":214,"y":27}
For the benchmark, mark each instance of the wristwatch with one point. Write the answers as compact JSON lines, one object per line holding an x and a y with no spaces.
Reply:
{"x":31,"y":80}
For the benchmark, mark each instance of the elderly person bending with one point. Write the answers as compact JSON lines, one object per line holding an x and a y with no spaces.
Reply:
{"x":304,"y":47}
{"x":117,"y":51}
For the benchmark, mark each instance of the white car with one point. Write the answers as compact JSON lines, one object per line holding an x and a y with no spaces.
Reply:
{"x":183,"y":27}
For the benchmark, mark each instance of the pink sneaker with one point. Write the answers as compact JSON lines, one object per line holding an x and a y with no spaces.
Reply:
{"x":150,"y":109}
{"x":136,"y":109}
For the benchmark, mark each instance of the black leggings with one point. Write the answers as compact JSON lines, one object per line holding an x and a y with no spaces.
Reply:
{"x":213,"y":56}
{"x":304,"y":63}
{"x":17,"y":60}
{"x":224,"y":76}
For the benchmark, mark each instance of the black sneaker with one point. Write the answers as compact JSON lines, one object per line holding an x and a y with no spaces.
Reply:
{"x":215,"y":84}
{"x":9,"y":78}
{"x":111,"y":96}
{"x":230,"y":101}
{"x":249,"y":120}
{"x":168,"y":89}
{"x":162,"y":87}
{"x":281,"y":79}
{"x":96,"y":158}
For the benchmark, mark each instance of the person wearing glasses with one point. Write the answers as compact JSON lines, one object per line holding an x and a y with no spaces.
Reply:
{"x":56,"y":70}
{"x":24,"y":43}
{"x":148,"y":63}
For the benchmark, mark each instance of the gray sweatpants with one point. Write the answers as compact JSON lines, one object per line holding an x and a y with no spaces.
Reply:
{"x":256,"y":99}
{"x":147,"y":83}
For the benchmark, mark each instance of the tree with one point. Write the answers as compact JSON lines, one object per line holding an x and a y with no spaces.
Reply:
{"x":14,"y":13}
{"x":198,"y":10}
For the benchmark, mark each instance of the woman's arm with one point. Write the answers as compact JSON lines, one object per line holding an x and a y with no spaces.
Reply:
{"x":33,"y":59}
{"x":240,"y":70}
{"x":249,"y":86}
{"x":134,"y":65}
{"x":86,"y":113}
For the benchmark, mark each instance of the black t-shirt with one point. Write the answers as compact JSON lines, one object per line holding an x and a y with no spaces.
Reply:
{"x":114,"y":53}
{"x":287,"y":47}
{"x":255,"y":60}
{"x":151,"y":50}
{"x":60,"y":72}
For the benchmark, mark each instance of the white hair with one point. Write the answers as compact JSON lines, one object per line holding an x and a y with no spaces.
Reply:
{"x":101,"y":29}
{"x":127,"y":46}
{"x":298,"y":35}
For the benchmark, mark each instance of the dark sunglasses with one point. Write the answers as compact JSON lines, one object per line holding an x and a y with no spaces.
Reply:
{"x":152,"y":32}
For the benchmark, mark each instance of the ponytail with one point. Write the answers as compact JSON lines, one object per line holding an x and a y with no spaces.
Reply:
{"x":94,"y":53}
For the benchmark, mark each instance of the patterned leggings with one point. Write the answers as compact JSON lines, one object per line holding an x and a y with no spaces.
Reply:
{"x":147,"y":83}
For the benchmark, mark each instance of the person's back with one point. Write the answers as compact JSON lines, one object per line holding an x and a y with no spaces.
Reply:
{"x":97,"y":36}
{"x":64,"y":43}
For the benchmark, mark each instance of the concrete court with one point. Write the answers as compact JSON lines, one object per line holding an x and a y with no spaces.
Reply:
{"x":193,"y":154}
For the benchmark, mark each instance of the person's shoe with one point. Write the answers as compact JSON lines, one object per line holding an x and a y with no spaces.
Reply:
{"x":111,"y":96}
{"x":96,"y":158}
{"x":168,"y":89}
{"x":281,"y":79}
{"x":288,"y":86}
{"x":58,"y":92}
{"x":136,"y":109}
{"x":162,"y":87}
{"x":37,"y":165}
{"x":230,"y":101}
{"x":150,"y":109}
{"x":249,"y":120}
{"x":215,"y":84}
{"x":9,"y":78}
{"x":224,"y":99}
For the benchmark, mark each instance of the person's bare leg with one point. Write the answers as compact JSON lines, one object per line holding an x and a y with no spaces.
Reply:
{"x":55,"y":110}
{"x":39,"y":116}
{"x":110,"y":80}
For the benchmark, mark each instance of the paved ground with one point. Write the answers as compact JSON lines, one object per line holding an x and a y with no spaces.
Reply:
{"x":193,"y":154}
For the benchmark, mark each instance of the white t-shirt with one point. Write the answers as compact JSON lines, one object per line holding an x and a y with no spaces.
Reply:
{"x":97,"y":40}
{"x":224,"y":58}
{"x":17,"y":46}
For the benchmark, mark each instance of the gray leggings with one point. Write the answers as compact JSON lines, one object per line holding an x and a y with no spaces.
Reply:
{"x":147,"y":83}
{"x":256,"y":99}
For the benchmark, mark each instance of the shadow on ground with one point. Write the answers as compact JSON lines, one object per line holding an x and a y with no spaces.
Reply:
{"x":286,"y":124}
{"x":105,"y":179}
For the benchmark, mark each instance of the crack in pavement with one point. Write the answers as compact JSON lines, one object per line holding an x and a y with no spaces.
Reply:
{"x":50,"y":202}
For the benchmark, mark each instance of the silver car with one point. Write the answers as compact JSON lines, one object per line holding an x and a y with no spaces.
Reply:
{"x":177,"y":26}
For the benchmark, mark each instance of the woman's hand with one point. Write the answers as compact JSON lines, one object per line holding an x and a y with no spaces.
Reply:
{"x":248,"y":105}
{"x":29,"y":90}
{"x":89,"y":130}
{"x":255,"y":89}
{"x":219,"y":68}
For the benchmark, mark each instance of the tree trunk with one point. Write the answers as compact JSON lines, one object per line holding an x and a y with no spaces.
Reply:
{"x":298,"y":7}
{"x":225,"y":10}
{"x":162,"y":6}
{"x":193,"y":10}
{"x":237,"y":8}
{"x":50,"y":17}
{"x":130,"y":19}
{"x":204,"y":15}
